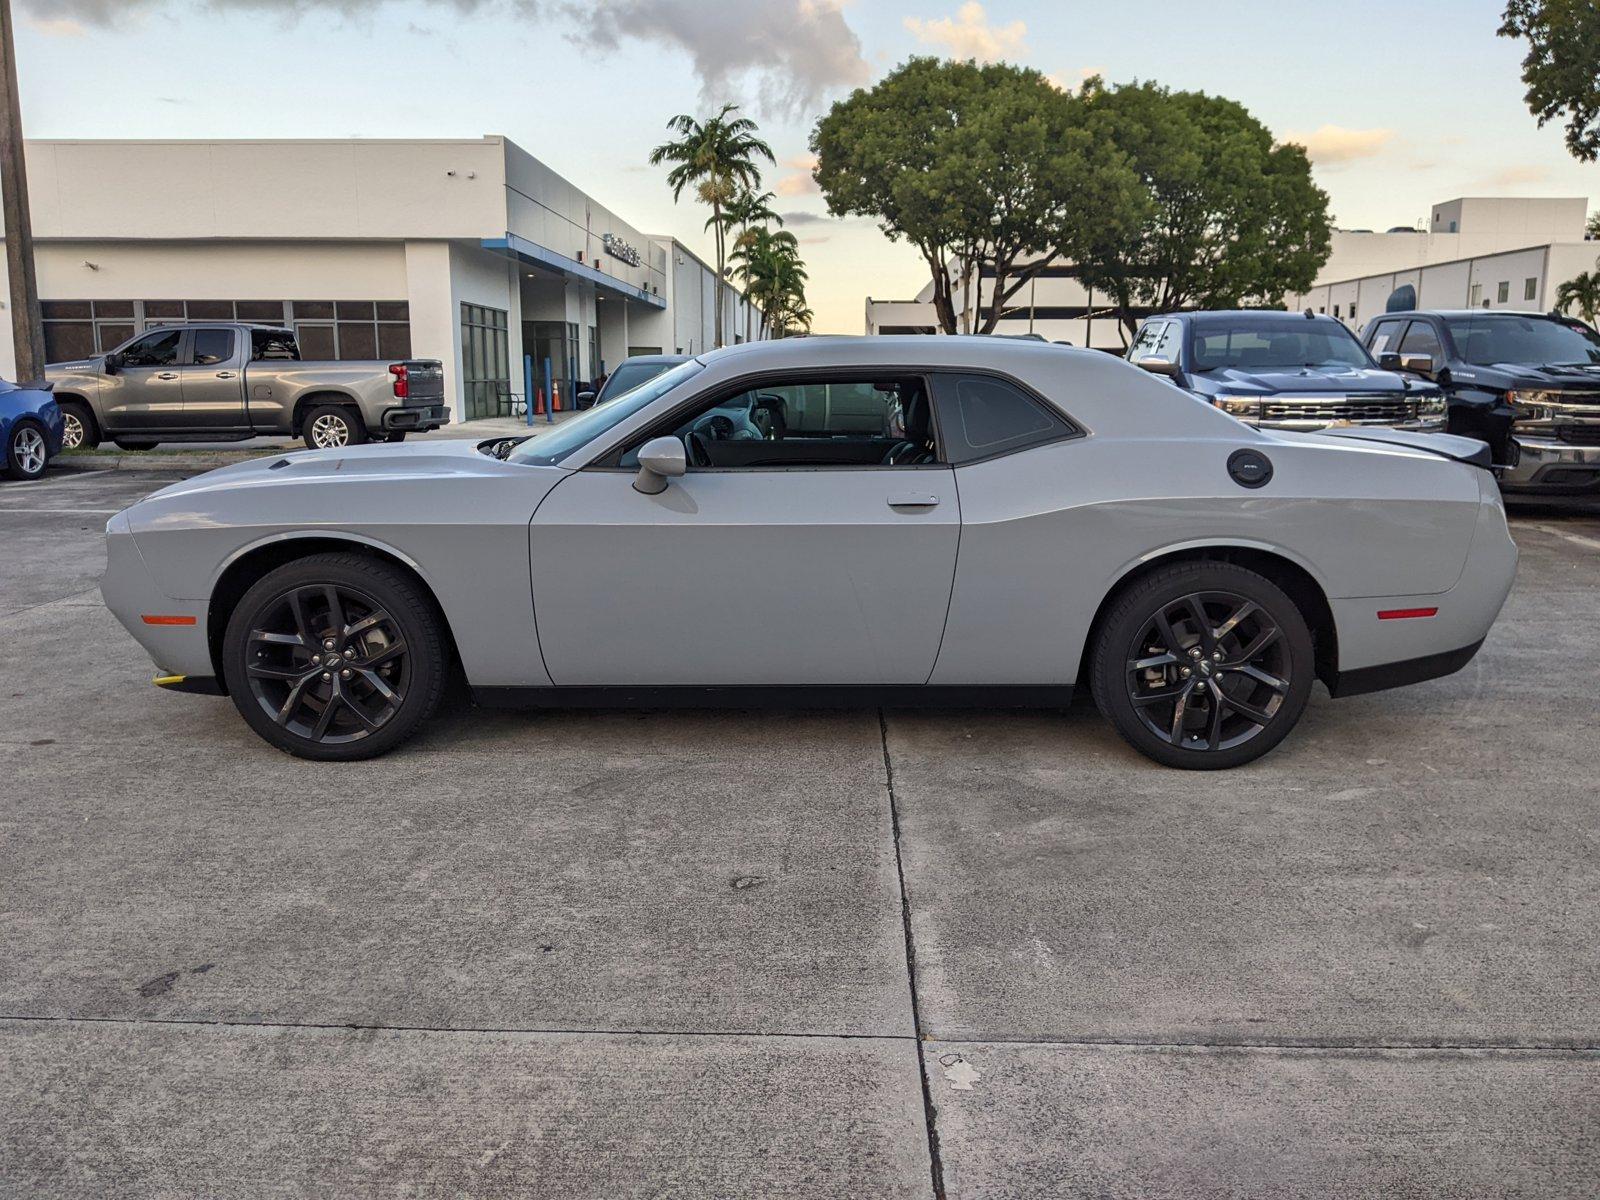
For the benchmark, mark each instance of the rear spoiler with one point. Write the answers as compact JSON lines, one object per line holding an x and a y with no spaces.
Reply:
{"x":1445,"y":445}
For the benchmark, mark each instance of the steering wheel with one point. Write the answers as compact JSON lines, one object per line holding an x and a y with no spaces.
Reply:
{"x":698,"y":450}
{"x":719,"y":428}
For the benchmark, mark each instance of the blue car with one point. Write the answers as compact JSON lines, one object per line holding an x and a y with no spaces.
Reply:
{"x":30,"y":430}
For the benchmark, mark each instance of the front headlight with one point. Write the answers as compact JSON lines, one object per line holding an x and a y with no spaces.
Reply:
{"x":1239,"y":406}
{"x":1529,"y":405}
{"x":1431,"y":404}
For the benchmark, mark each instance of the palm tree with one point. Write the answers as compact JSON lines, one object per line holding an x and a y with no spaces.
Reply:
{"x":747,"y":211}
{"x":718,"y":158}
{"x":1581,"y":293}
{"x":775,"y":277}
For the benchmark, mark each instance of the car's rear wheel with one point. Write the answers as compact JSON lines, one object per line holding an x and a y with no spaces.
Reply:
{"x":335,"y":657}
{"x":397,"y":436}
{"x":331,"y":426}
{"x":1203,"y":665}
{"x":79,"y":431}
{"x":26,"y":451}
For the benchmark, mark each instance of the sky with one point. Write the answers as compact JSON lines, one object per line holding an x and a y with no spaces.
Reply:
{"x":1401,"y":103}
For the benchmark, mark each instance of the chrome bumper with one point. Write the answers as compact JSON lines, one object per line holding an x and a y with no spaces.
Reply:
{"x":1551,"y":465}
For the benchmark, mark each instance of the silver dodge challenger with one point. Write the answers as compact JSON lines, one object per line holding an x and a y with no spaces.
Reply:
{"x":860,"y":520}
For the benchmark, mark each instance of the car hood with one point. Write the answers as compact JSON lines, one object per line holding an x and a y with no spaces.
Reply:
{"x":1533,"y":375}
{"x":432,"y":459}
{"x":1239,"y":381}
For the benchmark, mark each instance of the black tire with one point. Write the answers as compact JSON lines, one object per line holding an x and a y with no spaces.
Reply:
{"x":27,"y":453}
{"x":125,"y":444}
{"x":381,"y":677}
{"x":398,"y":436}
{"x":332,"y":426}
{"x":1186,"y":697}
{"x":82,"y":430}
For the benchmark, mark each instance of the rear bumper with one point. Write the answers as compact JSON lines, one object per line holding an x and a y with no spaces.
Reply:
{"x":1555,"y":467}
{"x":421,"y":416}
{"x":1398,"y":674}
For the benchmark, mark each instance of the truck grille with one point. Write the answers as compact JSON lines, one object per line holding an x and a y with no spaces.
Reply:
{"x":1579,"y":435}
{"x":1339,"y":408}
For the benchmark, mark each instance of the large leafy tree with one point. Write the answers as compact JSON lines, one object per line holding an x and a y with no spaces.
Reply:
{"x":717,"y":157}
{"x":1223,"y":217}
{"x":1562,"y":66}
{"x":747,"y":212}
{"x":1582,"y":294}
{"x":986,"y":170}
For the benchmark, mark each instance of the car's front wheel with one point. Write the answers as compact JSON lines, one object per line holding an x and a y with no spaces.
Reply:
{"x":335,"y":657}
{"x":1203,"y":665}
{"x":79,"y":431}
{"x":25,"y":451}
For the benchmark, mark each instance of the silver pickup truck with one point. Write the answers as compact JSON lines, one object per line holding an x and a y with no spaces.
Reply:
{"x":228,"y":382}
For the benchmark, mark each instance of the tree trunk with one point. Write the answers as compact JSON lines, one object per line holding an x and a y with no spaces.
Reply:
{"x":716,"y":223}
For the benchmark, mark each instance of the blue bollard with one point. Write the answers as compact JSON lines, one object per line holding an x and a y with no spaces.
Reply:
{"x":527,"y":386}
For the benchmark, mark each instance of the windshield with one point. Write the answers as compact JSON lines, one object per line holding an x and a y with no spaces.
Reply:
{"x":1253,"y":343}
{"x":629,"y":376}
{"x":1534,"y":340}
{"x":555,"y":444}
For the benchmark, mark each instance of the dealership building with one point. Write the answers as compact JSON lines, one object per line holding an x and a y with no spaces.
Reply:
{"x":470,"y":251}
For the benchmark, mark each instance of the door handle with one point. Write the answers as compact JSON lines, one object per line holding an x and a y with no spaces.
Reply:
{"x":921,"y":500}
{"x":167,"y":375}
{"x":226,"y":375}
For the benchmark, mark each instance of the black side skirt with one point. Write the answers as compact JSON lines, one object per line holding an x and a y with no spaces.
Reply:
{"x":1399,"y":674}
{"x":907,"y":696}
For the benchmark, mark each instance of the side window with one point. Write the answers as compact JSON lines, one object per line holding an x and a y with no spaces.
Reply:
{"x":208,"y":347}
{"x":1169,"y":346}
{"x":1380,"y":338}
{"x":272,"y":344}
{"x":981,"y":416}
{"x":159,"y":349}
{"x":1421,"y":339}
{"x":1145,"y":343}
{"x":788,"y":422}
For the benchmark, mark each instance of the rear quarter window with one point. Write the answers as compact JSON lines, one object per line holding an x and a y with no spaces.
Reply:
{"x":981,"y":416}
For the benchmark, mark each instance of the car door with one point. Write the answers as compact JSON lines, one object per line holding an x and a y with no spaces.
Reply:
{"x":213,"y":379}
{"x":819,"y":550}
{"x":146,"y":392}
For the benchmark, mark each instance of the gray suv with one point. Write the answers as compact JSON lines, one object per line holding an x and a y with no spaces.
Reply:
{"x":228,"y":382}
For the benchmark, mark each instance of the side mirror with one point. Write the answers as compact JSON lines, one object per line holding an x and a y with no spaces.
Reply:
{"x":113,"y":363}
{"x":585,"y":399}
{"x":1158,"y":366}
{"x":1389,"y":361}
{"x":1420,"y":364}
{"x":660,"y":459}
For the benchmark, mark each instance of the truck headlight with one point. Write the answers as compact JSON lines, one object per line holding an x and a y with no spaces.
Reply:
{"x":1239,"y":406}
{"x":1527,"y":405}
{"x":1431,"y":404}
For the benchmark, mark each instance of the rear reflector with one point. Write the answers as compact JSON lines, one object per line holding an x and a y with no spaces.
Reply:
{"x":1404,"y":614}
{"x":156,"y":619}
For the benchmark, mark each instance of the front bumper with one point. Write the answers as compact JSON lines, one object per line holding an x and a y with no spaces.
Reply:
{"x":173,"y":632}
{"x":1553,"y":466}
{"x":421,"y":416}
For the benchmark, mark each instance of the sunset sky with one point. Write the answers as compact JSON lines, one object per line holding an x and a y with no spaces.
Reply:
{"x":1400,"y":103}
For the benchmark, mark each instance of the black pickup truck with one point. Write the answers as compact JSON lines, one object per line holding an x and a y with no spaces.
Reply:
{"x":1527,"y":383}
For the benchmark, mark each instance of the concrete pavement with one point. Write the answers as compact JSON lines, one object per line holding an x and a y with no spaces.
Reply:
{"x":665,"y":953}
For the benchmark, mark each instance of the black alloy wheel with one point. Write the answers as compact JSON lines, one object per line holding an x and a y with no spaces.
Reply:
{"x":1204,"y":665}
{"x":338,"y":656}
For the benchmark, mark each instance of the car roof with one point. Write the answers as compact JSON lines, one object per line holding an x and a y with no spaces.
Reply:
{"x":890,"y":352}
{"x":1471,"y":312}
{"x":669,"y":359}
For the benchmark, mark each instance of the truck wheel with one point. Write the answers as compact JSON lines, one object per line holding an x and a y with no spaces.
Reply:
{"x":396,"y":437}
{"x":80,"y":432}
{"x":25,"y":451}
{"x":332,"y":426}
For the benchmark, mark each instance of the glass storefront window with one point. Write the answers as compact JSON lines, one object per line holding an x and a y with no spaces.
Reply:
{"x":485,"y":362}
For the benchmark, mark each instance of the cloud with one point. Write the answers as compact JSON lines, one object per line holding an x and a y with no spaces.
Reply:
{"x":797,"y":184}
{"x":1329,"y":144}
{"x":801,"y":218}
{"x":794,"y":52}
{"x":54,"y":26}
{"x":109,"y":12}
{"x":1511,"y":176}
{"x":1062,"y":84}
{"x":970,"y":35}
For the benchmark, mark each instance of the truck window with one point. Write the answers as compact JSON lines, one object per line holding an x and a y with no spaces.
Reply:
{"x":158,"y":349}
{"x":273,"y":344}
{"x":1421,"y":339}
{"x":212,"y":346}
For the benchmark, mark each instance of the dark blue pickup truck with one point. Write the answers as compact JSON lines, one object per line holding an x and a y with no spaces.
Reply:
{"x":1283,"y":370}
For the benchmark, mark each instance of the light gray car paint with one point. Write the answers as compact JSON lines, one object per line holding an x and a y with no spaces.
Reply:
{"x":792,"y":576}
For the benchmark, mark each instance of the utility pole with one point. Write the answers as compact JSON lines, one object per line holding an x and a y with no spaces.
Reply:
{"x":27,"y":331}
